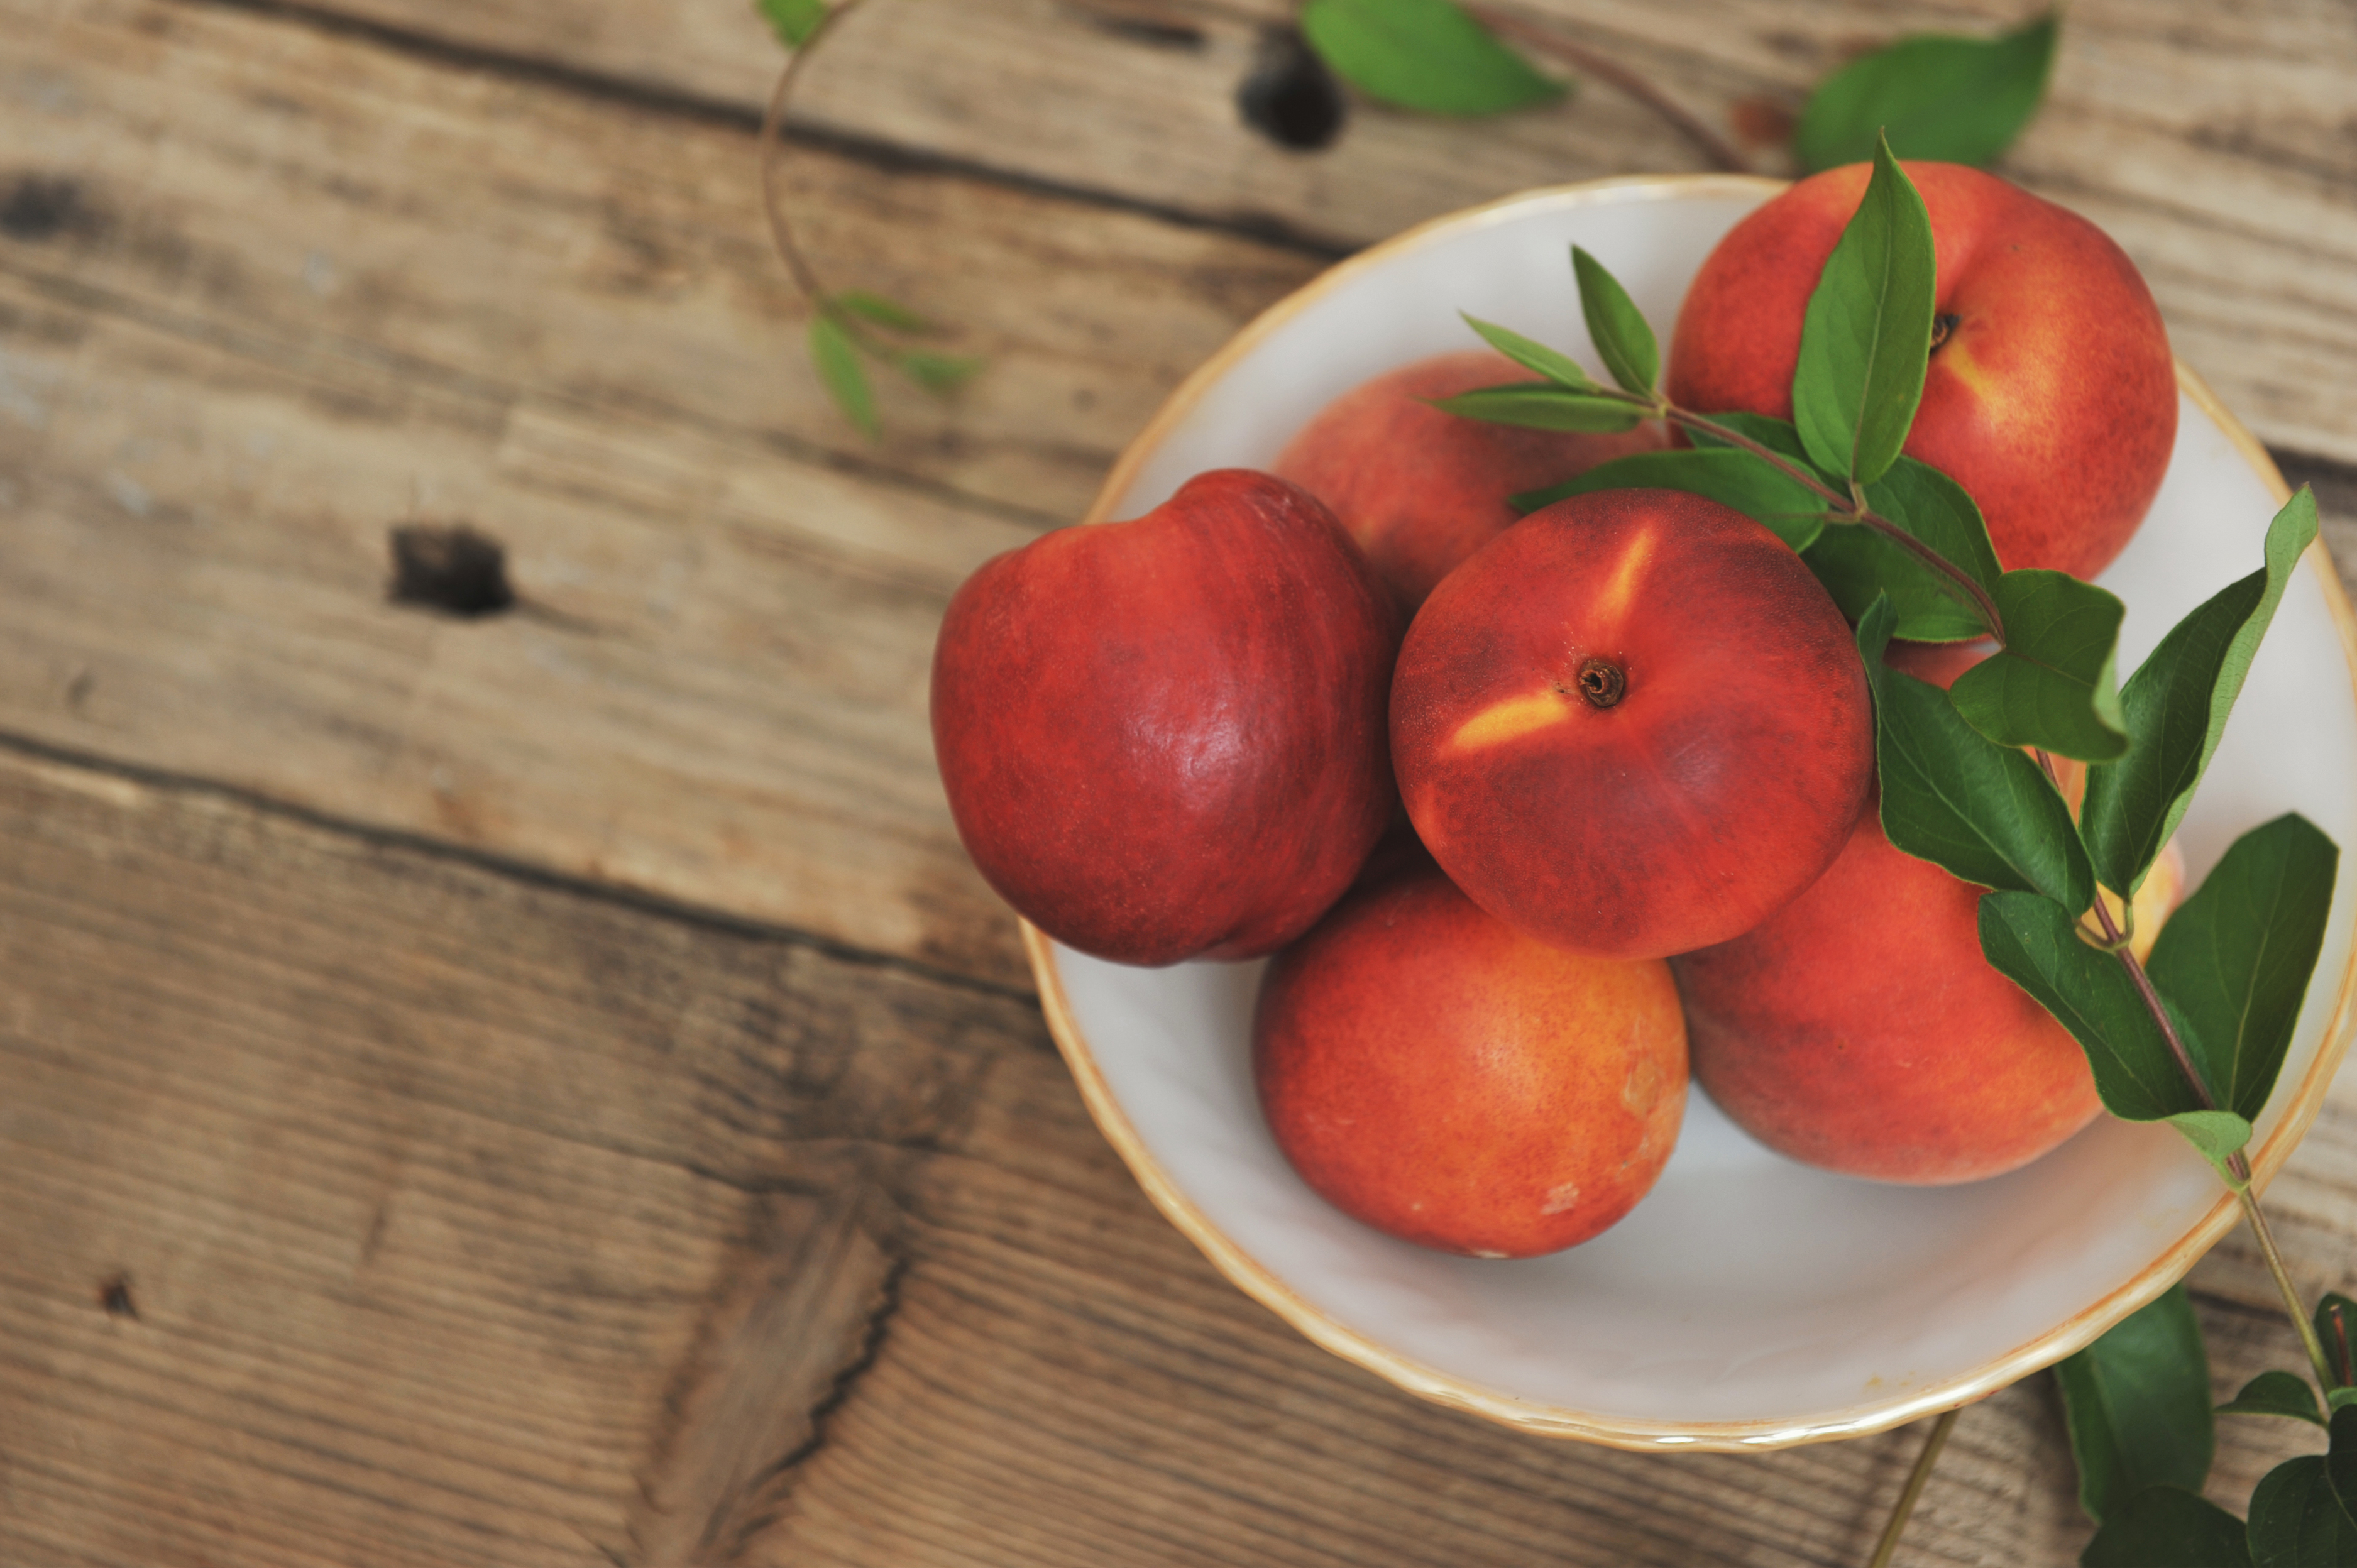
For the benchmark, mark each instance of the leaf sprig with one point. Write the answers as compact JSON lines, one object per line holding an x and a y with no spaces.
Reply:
{"x":2198,"y":1038}
{"x":851,"y":326}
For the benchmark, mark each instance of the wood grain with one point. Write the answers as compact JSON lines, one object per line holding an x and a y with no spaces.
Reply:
{"x":291,"y":291}
{"x":2211,"y":144}
{"x":467,"y":1219}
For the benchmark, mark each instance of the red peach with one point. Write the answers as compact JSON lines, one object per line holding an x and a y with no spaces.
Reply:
{"x":1165,"y":739}
{"x":1632,"y":725}
{"x":1420,"y":489}
{"x":2052,"y":394}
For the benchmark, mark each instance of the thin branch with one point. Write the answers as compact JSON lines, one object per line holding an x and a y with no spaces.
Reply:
{"x":2238,"y":1165}
{"x":2267,"y":1249}
{"x":1579,"y":57}
{"x":1905,"y":1507}
{"x":1851,"y":509}
{"x":781,"y":234}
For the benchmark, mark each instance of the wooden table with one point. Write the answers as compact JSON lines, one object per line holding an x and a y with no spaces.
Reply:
{"x":547,"y":1088}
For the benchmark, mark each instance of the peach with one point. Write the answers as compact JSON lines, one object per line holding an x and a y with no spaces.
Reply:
{"x":2052,"y":394}
{"x":1861,"y":1030}
{"x":1632,"y":725}
{"x":1420,"y":489}
{"x":1454,"y":1083}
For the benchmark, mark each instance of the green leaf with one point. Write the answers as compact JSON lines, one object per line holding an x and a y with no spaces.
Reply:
{"x":2050,"y":685}
{"x":2277,"y":1393}
{"x":1624,"y":341}
{"x":1867,"y":334}
{"x":1732,"y":479}
{"x":1532,"y":355}
{"x":1542,"y":405}
{"x":2297,"y":1522}
{"x":793,"y":20}
{"x":2034,"y":942}
{"x":2234,"y":963}
{"x":937,"y":372}
{"x":2341,"y":1458}
{"x":1951,"y":795}
{"x":2336,"y":1325}
{"x":883,"y":312}
{"x":2167,"y":1527}
{"x":2175,"y":708}
{"x":2342,"y":1398}
{"x":1856,"y":563}
{"x":837,"y":359}
{"x":1946,"y":99}
{"x":2217,"y":1135}
{"x":1425,"y":55}
{"x":2138,"y":1403}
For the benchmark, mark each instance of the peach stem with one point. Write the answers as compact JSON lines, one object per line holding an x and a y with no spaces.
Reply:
{"x":1905,"y":1507}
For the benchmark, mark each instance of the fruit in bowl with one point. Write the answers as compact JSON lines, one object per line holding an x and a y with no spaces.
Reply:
{"x":1421,"y":490}
{"x":1748,"y":1300}
{"x":1165,"y":739}
{"x":2048,"y":354}
{"x":1634,"y":725}
{"x":1453,"y":1082}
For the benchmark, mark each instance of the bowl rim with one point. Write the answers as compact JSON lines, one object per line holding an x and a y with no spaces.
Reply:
{"x":1857,"y":1420}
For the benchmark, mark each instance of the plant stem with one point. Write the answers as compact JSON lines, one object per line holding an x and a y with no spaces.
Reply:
{"x":2237,"y":1164}
{"x":1915,"y":1490}
{"x":781,"y":234}
{"x":2267,"y":1249}
{"x":1581,"y":58}
{"x":1853,"y":509}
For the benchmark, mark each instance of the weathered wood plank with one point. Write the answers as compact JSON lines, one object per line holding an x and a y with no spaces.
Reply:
{"x":467,"y":1219}
{"x":268,"y":290}
{"x":2211,"y":144}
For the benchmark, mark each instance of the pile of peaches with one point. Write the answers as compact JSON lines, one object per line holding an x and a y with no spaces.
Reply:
{"x":1541,"y":813}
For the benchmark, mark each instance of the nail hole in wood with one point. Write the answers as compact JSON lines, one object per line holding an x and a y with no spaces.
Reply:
{"x":1290,"y":97}
{"x":451,"y":568}
{"x":114,"y":1295}
{"x":38,"y":207}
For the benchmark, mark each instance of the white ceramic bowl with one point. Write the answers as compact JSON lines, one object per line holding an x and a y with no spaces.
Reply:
{"x":1748,"y":1302}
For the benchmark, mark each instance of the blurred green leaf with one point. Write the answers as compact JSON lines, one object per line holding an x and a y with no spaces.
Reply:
{"x":1936,"y":96}
{"x":1624,"y":341}
{"x":937,"y":372}
{"x":2050,"y":685}
{"x":883,"y":312}
{"x":2034,"y":942}
{"x":1867,"y":334}
{"x":792,"y":20}
{"x":1950,"y":795}
{"x":1425,"y":55}
{"x":837,"y":359}
{"x":2138,"y":1403}
{"x":2169,"y":1527}
{"x":2298,"y":1522}
{"x":2234,"y":963}
{"x":1543,"y":406}
{"x":1532,"y":355}
{"x":2277,"y":1393}
{"x":1732,"y":479}
{"x":2176,"y":706}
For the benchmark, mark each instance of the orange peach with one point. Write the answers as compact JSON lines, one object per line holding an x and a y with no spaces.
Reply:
{"x":1446,"y":1080}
